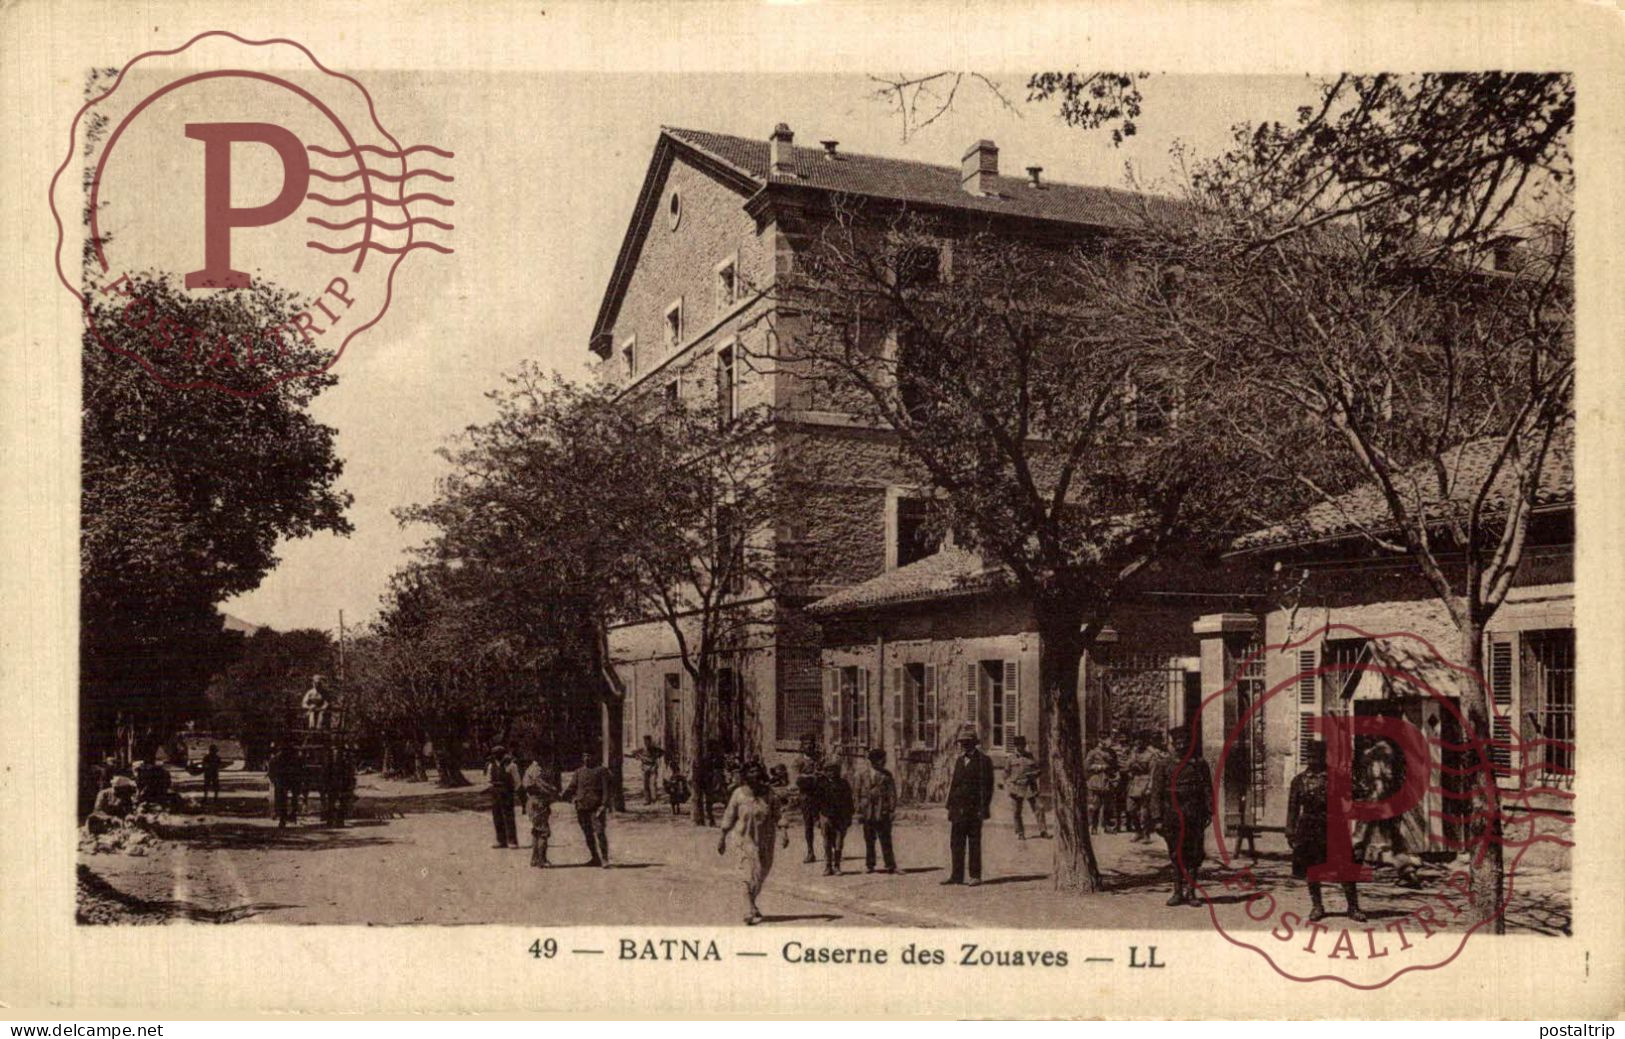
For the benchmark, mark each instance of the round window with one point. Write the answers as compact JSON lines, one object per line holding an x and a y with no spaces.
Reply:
{"x":674,"y":209}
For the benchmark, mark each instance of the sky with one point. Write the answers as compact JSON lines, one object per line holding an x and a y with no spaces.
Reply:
{"x":547,"y":171}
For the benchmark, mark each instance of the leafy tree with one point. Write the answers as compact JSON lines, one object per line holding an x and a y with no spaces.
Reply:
{"x":253,"y":696}
{"x":578,"y":506}
{"x":1076,"y":462}
{"x":185,"y":496}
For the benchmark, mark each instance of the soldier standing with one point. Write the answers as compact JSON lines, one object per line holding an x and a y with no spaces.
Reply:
{"x":1021,"y":774}
{"x":1181,"y":800}
{"x":1306,"y":822}
{"x":649,"y":757}
{"x":590,"y":791}
{"x":281,"y":772}
{"x":1119,"y":790}
{"x":1140,"y":764}
{"x":1100,"y":770}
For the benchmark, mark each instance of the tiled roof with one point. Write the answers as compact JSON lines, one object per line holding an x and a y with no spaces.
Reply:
{"x":1365,"y":508}
{"x":950,"y":572}
{"x":918,"y":182}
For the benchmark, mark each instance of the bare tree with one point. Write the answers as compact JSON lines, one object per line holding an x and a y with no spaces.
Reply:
{"x":1069,"y":459}
{"x":1385,"y":290}
{"x":1085,"y":100}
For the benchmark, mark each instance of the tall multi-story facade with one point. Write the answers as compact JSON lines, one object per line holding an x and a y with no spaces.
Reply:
{"x":884,"y":638}
{"x":691,"y":308}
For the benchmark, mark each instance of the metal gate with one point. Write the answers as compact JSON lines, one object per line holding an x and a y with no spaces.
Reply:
{"x":1128,"y":693}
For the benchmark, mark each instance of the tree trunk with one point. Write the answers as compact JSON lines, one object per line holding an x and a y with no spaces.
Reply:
{"x":448,"y":761}
{"x":1061,"y":740}
{"x":614,"y":719}
{"x":614,"y":707}
{"x":700,"y":781}
{"x":1483,"y":836}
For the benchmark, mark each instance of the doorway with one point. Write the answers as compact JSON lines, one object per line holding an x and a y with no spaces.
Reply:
{"x":674,"y":720}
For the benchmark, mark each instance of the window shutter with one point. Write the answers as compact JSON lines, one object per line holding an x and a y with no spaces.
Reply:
{"x":899,"y":720}
{"x":1503,"y":683}
{"x":1012,"y":702}
{"x":1308,"y":703}
{"x":928,"y":724}
{"x":832,"y":686}
{"x":972,"y":676}
{"x":862,"y":712}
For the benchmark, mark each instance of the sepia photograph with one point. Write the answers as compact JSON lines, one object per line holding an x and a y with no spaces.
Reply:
{"x":599,"y":509}
{"x":885,"y":527}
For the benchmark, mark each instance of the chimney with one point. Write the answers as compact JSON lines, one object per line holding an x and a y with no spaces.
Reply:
{"x":829,"y":148}
{"x":978,"y":168}
{"x":781,"y":156}
{"x":1504,"y":252}
{"x":1032,"y":175}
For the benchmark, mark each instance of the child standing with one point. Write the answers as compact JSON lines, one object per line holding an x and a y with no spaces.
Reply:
{"x":835,"y":809}
{"x":541,"y":790}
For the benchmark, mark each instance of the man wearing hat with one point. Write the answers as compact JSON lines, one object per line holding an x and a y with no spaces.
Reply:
{"x":1141,"y":763}
{"x":970,"y":798}
{"x":1181,"y":806}
{"x":877,"y":804}
{"x":1021,"y":780}
{"x":591,"y":792}
{"x":112,"y":805}
{"x":502,"y":777}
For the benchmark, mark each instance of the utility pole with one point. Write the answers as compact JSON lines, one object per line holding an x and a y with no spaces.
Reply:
{"x":341,"y":649}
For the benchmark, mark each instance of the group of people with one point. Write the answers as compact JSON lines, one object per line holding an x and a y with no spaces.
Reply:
{"x":123,"y":792}
{"x":534,"y":791}
{"x":1166,"y":787}
{"x":293,"y":778}
{"x":829,"y":803}
{"x":1118,"y":777}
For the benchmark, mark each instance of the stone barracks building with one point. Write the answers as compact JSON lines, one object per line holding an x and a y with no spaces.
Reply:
{"x":886,"y":638}
{"x":688,"y":310}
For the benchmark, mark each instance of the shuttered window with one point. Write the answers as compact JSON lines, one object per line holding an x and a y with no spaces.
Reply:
{"x":901,"y":705}
{"x":928,"y":720}
{"x":834,"y":721}
{"x":1308,"y":703}
{"x":861,"y":709}
{"x":1012,"y":702}
{"x":973,"y":683}
{"x":1503,"y":687}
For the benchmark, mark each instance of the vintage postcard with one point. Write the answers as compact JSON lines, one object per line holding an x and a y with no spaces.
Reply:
{"x":650,"y":510}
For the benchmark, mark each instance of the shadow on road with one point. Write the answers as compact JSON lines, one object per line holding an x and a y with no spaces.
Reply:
{"x":255,"y":837}
{"x":102,"y":903}
{"x":1017,"y":878}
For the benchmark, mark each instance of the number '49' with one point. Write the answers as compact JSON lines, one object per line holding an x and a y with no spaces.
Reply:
{"x":544,"y":950}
